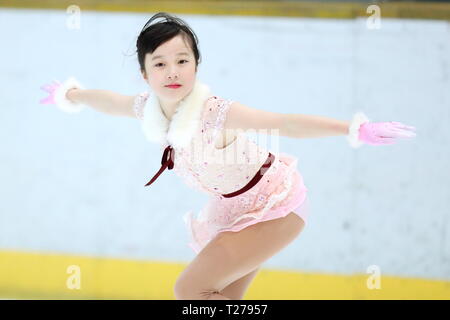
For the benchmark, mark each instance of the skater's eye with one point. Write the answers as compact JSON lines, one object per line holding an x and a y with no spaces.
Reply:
{"x":162,"y":63}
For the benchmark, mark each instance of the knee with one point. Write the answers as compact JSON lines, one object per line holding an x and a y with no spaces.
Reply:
{"x":184,"y":290}
{"x":297,"y":224}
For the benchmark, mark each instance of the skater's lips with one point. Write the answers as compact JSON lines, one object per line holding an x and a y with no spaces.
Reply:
{"x":173,"y":84}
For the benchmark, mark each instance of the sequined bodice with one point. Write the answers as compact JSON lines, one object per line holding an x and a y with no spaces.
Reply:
{"x":203,"y":166}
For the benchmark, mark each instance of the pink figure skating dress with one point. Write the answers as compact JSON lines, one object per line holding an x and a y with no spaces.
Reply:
{"x":191,"y":136}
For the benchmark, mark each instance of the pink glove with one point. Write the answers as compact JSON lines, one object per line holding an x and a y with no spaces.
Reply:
{"x":50,"y":88}
{"x":377,"y":133}
{"x":57,"y":95}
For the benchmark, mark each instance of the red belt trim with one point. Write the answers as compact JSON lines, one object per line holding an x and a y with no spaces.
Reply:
{"x":259,"y":174}
{"x":168,"y":158}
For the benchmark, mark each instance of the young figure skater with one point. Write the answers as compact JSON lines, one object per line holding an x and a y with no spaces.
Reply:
{"x":258,"y":203}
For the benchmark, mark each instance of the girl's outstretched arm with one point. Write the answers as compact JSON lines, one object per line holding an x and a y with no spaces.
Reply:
{"x":359,"y":130}
{"x":311,"y":126}
{"x":244,"y":117}
{"x":71,"y":96}
{"x":104,"y":101}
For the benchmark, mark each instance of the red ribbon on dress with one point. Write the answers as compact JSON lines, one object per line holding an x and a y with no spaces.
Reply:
{"x":168,"y":158}
{"x":167,"y":161}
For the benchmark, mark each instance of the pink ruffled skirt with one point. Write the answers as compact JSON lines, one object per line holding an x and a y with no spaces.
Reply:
{"x":280,"y":192}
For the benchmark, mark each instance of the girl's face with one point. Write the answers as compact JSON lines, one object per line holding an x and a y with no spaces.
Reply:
{"x":172,"y":62}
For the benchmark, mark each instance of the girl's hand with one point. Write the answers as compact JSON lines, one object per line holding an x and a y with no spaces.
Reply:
{"x":380,"y":133}
{"x":57,"y":95}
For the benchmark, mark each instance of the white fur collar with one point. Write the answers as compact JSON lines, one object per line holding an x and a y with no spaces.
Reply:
{"x":179,"y":131}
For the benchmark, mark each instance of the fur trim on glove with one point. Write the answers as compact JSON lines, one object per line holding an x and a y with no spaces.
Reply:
{"x":60,"y":96}
{"x":353,"y":133}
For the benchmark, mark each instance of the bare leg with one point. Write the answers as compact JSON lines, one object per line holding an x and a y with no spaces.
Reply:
{"x":231,"y":256}
{"x":236,"y":290}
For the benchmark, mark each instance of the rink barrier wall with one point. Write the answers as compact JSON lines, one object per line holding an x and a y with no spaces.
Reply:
{"x":27,"y":275}
{"x":335,"y":10}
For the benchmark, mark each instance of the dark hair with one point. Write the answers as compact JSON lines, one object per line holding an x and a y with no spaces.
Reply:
{"x":152,"y":36}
